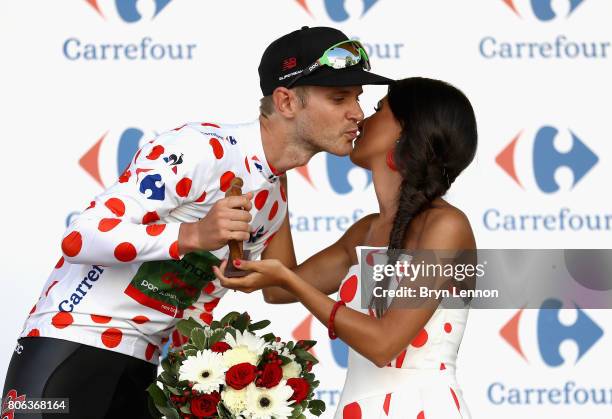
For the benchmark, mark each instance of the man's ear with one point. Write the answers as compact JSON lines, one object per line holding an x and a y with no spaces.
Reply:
{"x":285,"y":102}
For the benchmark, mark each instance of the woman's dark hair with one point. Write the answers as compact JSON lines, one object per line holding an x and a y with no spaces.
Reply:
{"x":438,"y":140}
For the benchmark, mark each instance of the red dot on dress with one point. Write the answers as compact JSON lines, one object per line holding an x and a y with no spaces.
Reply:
{"x":150,"y":217}
{"x":201,"y":198}
{"x":210,"y":288}
{"x":183,"y":187}
{"x":155,"y":229}
{"x":157,"y":151}
{"x":261,"y":198}
{"x":455,"y":398}
{"x":217,"y":148}
{"x":351,"y":411}
{"x":107,"y":224}
{"x":140,"y":319}
{"x":421,"y":415}
{"x":273,"y":211}
{"x":111,"y":338}
{"x":100,"y":319}
{"x":206,"y":318}
{"x":62,"y":320}
{"x":59,"y":263}
{"x":246,"y":163}
{"x":34,"y":333}
{"x":72,"y":244}
{"x":150,"y":351}
{"x":420,"y":339}
{"x":210,"y":306}
{"x":50,"y":286}
{"x":125,"y":252}
{"x":226,"y":180}
{"x":174,"y":250}
{"x":349,"y":289}
{"x":448,"y":327}
{"x":116,"y":206}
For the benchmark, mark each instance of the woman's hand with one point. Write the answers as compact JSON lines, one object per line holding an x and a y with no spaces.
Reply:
{"x":266,"y":273}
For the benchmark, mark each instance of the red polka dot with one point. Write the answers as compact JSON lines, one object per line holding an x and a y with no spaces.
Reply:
{"x":226,"y":180}
{"x":178,"y":339}
{"x":107,"y":224}
{"x":183,"y":187}
{"x":178,"y":128}
{"x":260,"y":199}
{"x":92,"y":204}
{"x":421,"y":415}
{"x":273,"y":211}
{"x":116,"y":206}
{"x":206,"y":318}
{"x":387,"y":404}
{"x":209,"y":124}
{"x":282,"y":193}
{"x":72,"y":243}
{"x":140,"y":319}
{"x":59,"y":263}
{"x":150,"y":217}
{"x":50,"y":286}
{"x":201,"y":198}
{"x":210,"y":288}
{"x":448,"y":327}
{"x":111,"y":338}
{"x":155,"y":229}
{"x":442,"y":366}
{"x":210,"y":306}
{"x":420,"y":339}
{"x":246,"y":163}
{"x":349,"y":289}
{"x":100,"y":319}
{"x":156,"y":152}
{"x":125,"y":176}
{"x":174,"y":250}
{"x":455,"y":398}
{"x":150,"y":351}
{"x":34,"y":333}
{"x":62,"y":319}
{"x":33,"y":309}
{"x":351,"y":411}
{"x":125,"y":252}
{"x":217,"y":148}
{"x":399,"y":361}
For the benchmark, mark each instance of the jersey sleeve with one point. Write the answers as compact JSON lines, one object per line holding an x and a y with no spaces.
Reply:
{"x":123,"y":224}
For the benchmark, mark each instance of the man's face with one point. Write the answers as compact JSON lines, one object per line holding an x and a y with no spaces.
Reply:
{"x":328,"y":121}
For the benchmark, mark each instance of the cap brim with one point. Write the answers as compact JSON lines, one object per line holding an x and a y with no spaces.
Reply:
{"x":352,"y":76}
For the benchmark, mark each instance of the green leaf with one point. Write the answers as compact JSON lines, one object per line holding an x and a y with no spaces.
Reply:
{"x":198,"y":338}
{"x":186,"y":326}
{"x":269,"y":337}
{"x":223,"y":412}
{"x":168,"y":378}
{"x":305,"y":355}
{"x":316,"y":405}
{"x":186,"y":408}
{"x":229,"y":318}
{"x":215,"y":325}
{"x":161,"y":402}
{"x":153,"y":409}
{"x":166,"y":365}
{"x":174,"y":390}
{"x":191,"y":352}
{"x":259,"y":325}
{"x":306,"y":344}
{"x":242,"y":322}
{"x":217,"y":336}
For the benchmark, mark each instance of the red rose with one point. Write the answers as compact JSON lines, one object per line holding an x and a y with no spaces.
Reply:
{"x":270,"y":376}
{"x":205,"y":405}
{"x":220,"y":347}
{"x":300,"y":387}
{"x":240,"y":375}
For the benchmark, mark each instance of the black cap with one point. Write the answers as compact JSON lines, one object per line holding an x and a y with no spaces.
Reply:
{"x":282,"y":61}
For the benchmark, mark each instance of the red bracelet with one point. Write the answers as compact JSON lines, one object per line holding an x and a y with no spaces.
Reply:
{"x":332,"y":317}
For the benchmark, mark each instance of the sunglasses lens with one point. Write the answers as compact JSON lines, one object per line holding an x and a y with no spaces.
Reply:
{"x":344,"y":55}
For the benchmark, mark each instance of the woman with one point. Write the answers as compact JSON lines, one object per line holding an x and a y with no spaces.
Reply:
{"x":402,"y":360}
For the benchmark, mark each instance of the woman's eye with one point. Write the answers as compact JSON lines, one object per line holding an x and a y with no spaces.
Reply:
{"x":376,"y":108}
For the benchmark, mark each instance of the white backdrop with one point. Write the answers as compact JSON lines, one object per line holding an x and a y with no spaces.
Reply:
{"x":525,"y":65}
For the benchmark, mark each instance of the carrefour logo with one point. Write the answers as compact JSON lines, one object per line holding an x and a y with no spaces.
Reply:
{"x":145,"y":48}
{"x":336,"y":9}
{"x":540,"y":335}
{"x":546,"y":159}
{"x":128,"y":10}
{"x":543,"y":9}
{"x":551,"y":333}
{"x":337,"y":170}
{"x":558,"y":46}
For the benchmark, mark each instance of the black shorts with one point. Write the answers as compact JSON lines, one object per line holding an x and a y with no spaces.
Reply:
{"x":98,"y":383}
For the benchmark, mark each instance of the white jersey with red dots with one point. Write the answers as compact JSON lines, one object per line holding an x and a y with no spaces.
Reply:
{"x":121,"y":283}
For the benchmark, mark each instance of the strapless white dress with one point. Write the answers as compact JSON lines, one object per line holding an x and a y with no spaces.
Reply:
{"x":420,"y":383}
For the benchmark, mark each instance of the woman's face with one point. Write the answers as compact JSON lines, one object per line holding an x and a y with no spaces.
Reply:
{"x":378,"y":134}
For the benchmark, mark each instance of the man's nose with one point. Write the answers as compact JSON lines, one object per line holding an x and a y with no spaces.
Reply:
{"x":356,"y":114}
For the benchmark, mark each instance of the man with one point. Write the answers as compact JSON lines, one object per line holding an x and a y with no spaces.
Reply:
{"x":139,"y":258}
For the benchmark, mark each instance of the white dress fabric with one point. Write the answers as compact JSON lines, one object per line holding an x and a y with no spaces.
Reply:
{"x":420,"y":383}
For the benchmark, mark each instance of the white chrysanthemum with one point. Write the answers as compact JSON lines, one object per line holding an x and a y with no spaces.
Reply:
{"x":292,"y":370}
{"x":281,"y":349}
{"x":247,"y":339}
{"x":234,"y":400}
{"x":239,"y":355}
{"x":206,"y":370}
{"x":269,"y":403}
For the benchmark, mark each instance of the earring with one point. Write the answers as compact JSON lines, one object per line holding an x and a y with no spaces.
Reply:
{"x":390,"y":160}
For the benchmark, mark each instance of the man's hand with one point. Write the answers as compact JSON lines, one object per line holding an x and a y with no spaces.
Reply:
{"x":228,"y":219}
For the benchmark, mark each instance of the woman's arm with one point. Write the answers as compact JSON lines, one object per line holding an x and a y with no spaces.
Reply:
{"x":379,"y":340}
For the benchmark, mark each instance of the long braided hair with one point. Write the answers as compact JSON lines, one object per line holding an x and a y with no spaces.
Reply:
{"x":437,"y":142}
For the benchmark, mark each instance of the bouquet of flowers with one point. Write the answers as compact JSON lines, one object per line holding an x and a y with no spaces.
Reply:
{"x":225,"y":371}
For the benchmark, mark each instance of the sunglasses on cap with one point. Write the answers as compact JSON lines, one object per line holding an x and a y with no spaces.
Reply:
{"x":341,"y":55}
